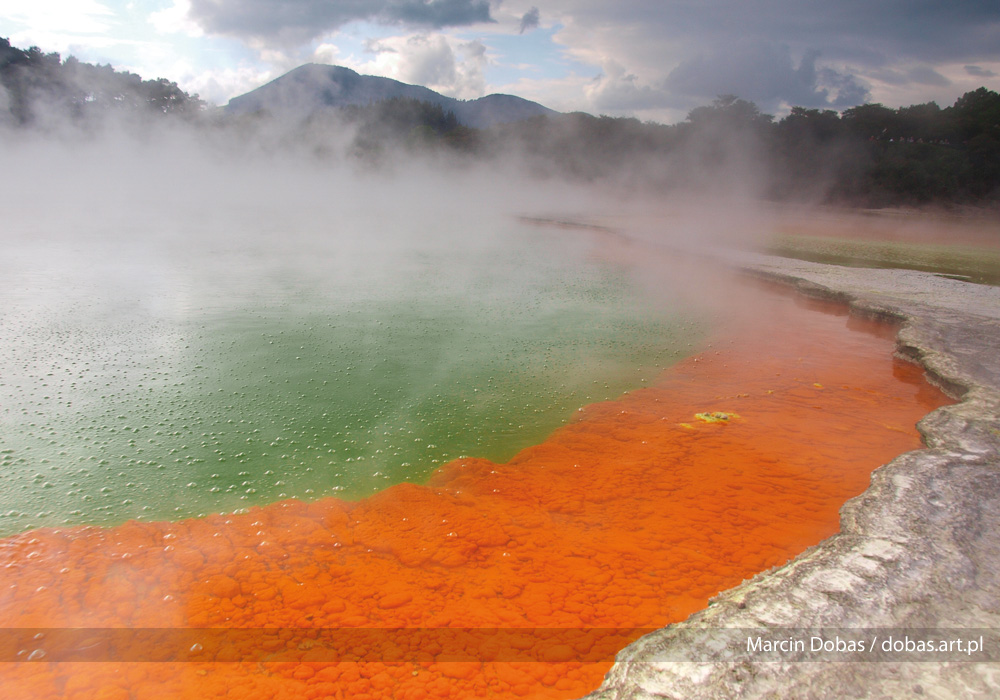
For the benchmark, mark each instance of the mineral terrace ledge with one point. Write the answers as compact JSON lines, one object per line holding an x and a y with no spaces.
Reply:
{"x":918,"y":549}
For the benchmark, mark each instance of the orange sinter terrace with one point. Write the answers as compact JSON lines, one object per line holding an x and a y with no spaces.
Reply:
{"x":520,"y":579}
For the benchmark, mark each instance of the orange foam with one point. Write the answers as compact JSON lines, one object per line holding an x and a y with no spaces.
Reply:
{"x":631,"y":516}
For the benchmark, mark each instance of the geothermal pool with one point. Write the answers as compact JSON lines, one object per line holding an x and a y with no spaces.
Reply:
{"x":159,"y":378}
{"x":561,"y":518}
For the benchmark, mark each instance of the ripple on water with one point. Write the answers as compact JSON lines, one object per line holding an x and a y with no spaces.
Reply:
{"x":336,"y":385}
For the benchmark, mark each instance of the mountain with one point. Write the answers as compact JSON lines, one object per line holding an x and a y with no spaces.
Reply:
{"x":312,"y":87}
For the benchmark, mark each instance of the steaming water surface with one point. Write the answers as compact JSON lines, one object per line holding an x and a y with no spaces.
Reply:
{"x":153,"y":375}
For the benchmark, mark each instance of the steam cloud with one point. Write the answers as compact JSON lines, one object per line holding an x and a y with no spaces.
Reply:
{"x":142,"y":239}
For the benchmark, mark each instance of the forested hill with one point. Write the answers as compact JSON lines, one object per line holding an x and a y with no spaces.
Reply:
{"x":869,"y":155}
{"x":40,"y":89}
{"x":919,"y":153}
{"x":312,"y":88}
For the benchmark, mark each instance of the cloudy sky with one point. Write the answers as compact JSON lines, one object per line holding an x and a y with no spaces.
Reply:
{"x":653,"y":59}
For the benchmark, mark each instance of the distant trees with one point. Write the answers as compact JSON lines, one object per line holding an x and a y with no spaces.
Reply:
{"x":40,"y":89}
{"x":576,"y":145}
{"x":975,"y":118}
{"x":384,"y":127}
{"x":399,"y":120}
{"x":729,"y":112}
{"x":917,"y":154}
{"x":868,"y":155}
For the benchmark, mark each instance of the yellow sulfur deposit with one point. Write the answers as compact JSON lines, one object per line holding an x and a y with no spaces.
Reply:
{"x":716,"y":417}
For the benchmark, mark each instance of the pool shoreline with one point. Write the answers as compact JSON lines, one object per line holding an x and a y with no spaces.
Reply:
{"x":915,"y":550}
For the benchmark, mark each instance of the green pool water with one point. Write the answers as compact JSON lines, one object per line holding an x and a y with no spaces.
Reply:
{"x":170,"y":376}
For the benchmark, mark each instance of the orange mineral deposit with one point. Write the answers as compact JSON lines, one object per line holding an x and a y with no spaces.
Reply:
{"x":491,"y":580}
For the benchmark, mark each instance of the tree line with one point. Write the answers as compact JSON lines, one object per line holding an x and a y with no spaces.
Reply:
{"x":41,"y":90}
{"x":869,"y":155}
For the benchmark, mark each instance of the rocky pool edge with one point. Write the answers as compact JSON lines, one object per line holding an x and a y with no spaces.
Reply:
{"x":917,"y":550}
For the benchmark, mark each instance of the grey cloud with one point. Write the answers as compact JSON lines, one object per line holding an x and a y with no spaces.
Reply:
{"x":864,"y":32}
{"x":298,"y":21}
{"x":850,"y":91}
{"x":764,"y":73}
{"x":438,"y":13}
{"x":890,"y":76}
{"x":623,"y":92}
{"x":377,"y":46}
{"x":761,"y":73}
{"x":980,"y":72}
{"x":921,"y":75}
{"x":475,"y":50}
{"x":617,"y":90}
{"x":925,"y":75}
{"x":530,"y":20}
{"x":429,"y":62}
{"x":777,"y":53}
{"x":927,"y":29}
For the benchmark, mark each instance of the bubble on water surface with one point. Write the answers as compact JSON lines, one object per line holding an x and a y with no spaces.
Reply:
{"x":231,"y":370}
